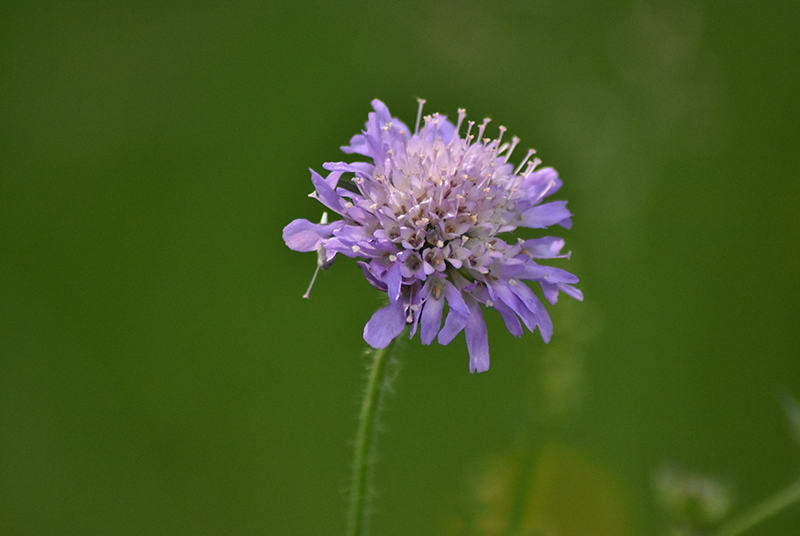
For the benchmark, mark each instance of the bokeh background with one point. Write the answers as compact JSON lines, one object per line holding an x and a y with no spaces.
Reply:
{"x":160,"y":373}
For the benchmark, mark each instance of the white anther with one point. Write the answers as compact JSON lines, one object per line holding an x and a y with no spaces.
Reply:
{"x":419,"y":115}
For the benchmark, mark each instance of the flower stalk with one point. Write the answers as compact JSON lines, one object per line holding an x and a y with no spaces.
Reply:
{"x":382,"y":372}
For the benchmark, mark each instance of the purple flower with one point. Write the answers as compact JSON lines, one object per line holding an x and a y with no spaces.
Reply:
{"x":426,"y":215}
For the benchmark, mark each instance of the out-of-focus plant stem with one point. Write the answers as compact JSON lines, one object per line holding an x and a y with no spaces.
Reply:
{"x":762,"y":511}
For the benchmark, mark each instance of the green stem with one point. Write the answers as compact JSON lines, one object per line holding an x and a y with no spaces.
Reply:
{"x":379,"y":383}
{"x":763,"y":510}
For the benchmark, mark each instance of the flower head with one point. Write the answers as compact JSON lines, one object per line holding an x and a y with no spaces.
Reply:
{"x":426,"y":215}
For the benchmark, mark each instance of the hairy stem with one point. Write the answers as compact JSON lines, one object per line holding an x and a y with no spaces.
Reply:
{"x":382,"y":372}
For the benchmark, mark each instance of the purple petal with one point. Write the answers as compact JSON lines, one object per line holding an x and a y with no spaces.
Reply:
{"x":393,"y":280}
{"x":452,"y":326}
{"x":503,"y":268}
{"x":353,"y":233}
{"x":345,"y":247}
{"x":373,"y":137}
{"x":384,"y":116}
{"x":358,"y":145}
{"x":415,"y":306}
{"x":550,"y":291}
{"x":385,"y":325}
{"x":548,"y":247}
{"x":540,"y":184}
{"x":332,"y":179}
{"x":542,"y":216}
{"x":502,"y":292}
{"x":326,"y":195}
{"x":361,"y":168}
{"x":571,"y":291}
{"x":302,"y":235}
{"x":511,"y":320}
{"x":454,"y":299}
{"x":374,"y":281}
{"x":431,"y":319}
{"x":550,"y":274}
{"x":477,"y":339}
{"x":535,"y":306}
{"x":545,"y":322}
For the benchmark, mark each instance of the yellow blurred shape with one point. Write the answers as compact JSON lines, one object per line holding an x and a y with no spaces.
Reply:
{"x":572,"y":496}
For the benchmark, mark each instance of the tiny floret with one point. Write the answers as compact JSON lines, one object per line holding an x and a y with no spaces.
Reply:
{"x":427,"y":217}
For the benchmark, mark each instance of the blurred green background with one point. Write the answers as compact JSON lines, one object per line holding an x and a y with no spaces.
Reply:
{"x":160,"y":374}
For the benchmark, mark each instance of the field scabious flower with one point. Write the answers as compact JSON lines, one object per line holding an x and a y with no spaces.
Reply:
{"x":427,"y":215}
